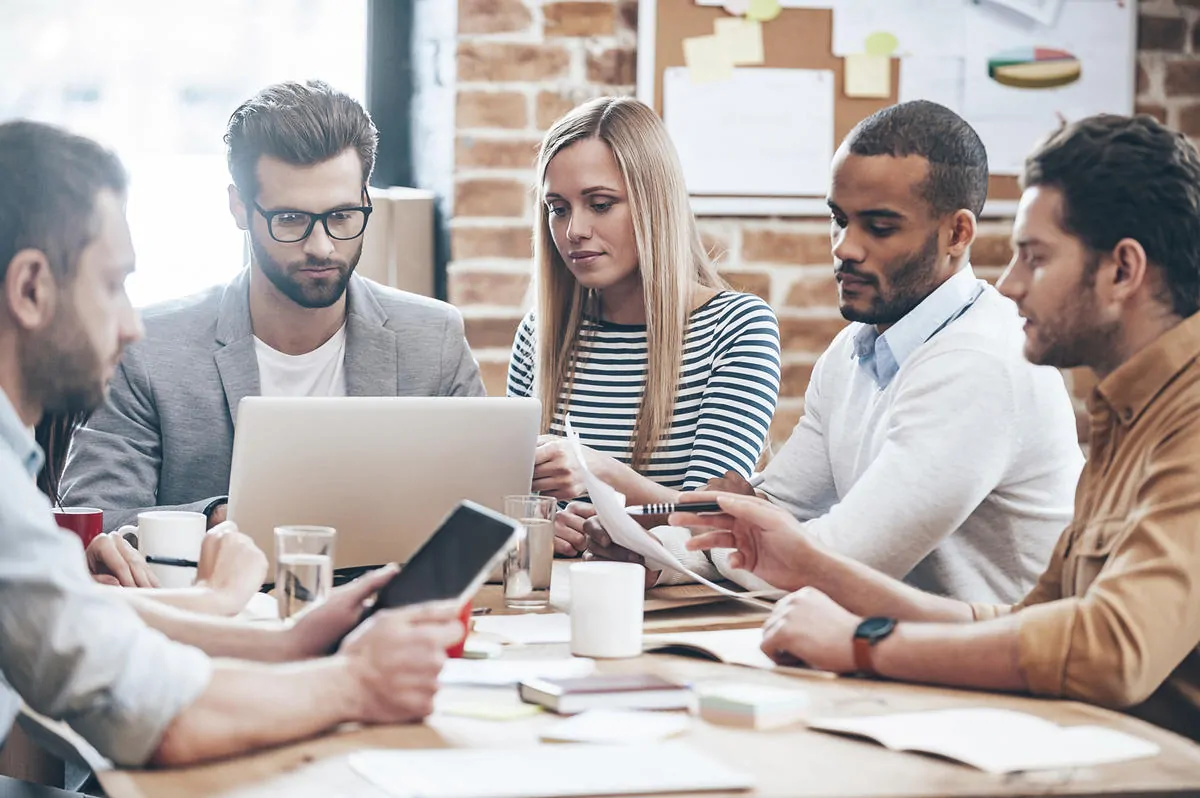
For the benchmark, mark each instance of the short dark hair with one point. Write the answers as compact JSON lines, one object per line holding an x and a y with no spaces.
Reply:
{"x":49,"y":180}
{"x":1128,"y":177}
{"x":298,"y":123}
{"x":958,"y":167}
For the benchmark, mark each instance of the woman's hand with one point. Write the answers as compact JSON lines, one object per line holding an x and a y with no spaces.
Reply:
{"x":570,"y":540}
{"x":112,"y":561}
{"x":557,"y":472}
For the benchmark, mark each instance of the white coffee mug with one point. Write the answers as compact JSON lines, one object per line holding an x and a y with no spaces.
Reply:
{"x":177,"y":534}
{"x":606,"y":609}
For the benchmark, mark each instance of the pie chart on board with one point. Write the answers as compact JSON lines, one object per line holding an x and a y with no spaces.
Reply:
{"x":1034,"y":68}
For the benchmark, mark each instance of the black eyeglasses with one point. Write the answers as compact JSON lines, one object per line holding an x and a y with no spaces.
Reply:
{"x":342,"y":224}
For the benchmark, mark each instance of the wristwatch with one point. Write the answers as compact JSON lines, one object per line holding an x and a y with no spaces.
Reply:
{"x":868,"y":633}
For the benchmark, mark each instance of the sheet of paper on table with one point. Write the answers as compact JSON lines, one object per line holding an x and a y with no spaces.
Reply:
{"x":504,"y":672}
{"x":529,"y":629}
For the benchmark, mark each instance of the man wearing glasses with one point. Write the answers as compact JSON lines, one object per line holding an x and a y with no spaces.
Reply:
{"x":296,"y":322}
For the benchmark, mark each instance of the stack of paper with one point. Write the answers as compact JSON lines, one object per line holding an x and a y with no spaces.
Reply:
{"x":752,"y":706}
{"x":539,"y":772}
{"x":995,"y":740}
{"x":617,"y":727}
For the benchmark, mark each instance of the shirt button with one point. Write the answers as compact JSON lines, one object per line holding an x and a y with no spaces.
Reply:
{"x":1127,"y":413}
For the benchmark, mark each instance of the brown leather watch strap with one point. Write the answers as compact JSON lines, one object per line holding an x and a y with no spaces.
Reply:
{"x":862,"y":657}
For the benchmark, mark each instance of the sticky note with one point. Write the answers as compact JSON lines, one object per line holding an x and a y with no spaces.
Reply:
{"x":485,"y":710}
{"x":737,"y":7}
{"x":742,"y":39}
{"x":881,"y":43}
{"x":763,"y":10}
{"x":867,"y":76}
{"x":707,"y":59}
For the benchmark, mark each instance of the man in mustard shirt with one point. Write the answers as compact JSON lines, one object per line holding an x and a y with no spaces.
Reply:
{"x":1107,"y":275}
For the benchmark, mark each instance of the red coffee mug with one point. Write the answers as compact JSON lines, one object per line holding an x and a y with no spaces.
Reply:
{"x":464,"y":617}
{"x":86,"y":522}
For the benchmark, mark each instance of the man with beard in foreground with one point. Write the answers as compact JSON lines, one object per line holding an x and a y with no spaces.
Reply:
{"x":296,"y":322}
{"x":929,"y":449}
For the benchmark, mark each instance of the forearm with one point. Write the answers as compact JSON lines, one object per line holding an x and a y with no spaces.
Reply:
{"x":197,"y":599}
{"x":977,"y":655}
{"x":248,"y":707}
{"x":217,"y":637}
{"x":636,"y":488}
{"x":867,"y":592}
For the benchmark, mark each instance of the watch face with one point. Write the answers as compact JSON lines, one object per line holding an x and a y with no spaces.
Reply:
{"x":875,"y":628}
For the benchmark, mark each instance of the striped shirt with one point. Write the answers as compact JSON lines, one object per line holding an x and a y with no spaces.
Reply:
{"x":728,"y":388}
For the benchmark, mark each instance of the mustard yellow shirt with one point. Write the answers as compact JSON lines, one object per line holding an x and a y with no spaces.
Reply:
{"x":1115,"y":618}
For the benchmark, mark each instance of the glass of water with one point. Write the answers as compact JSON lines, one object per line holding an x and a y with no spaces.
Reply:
{"x":527,"y":569}
{"x":303,"y":567}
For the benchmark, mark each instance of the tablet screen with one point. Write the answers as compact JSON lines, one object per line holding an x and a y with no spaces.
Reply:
{"x":456,"y":559}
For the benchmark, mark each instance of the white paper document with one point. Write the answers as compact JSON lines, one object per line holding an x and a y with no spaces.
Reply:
{"x":995,"y":740}
{"x":546,"y":772}
{"x":731,"y":646}
{"x":629,"y":534}
{"x":782,"y":3}
{"x":763,"y":132}
{"x":1022,"y":76}
{"x":921,"y":27}
{"x":531,"y":629}
{"x":504,"y":672}
{"x":617,"y":727}
{"x":935,"y":78}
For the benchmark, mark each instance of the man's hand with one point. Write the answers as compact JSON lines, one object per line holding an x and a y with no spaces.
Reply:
{"x":732,"y":482}
{"x":218,"y":515}
{"x":395,"y":657}
{"x":601,"y":547}
{"x":318,"y":629}
{"x":809,"y":627}
{"x":770,"y":543}
{"x":112,"y":561}
{"x":569,"y":537}
{"x":232,"y":567}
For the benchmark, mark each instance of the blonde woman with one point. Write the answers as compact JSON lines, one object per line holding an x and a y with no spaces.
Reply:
{"x":669,"y":377}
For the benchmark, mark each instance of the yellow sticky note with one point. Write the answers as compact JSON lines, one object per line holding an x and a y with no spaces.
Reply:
{"x":707,"y":59}
{"x":881,"y":42}
{"x":763,"y":10}
{"x":485,"y":710}
{"x":868,"y":76}
{"x":742,"y":38}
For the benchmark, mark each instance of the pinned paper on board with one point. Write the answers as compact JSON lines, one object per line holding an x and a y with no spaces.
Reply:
{"x":707,"y":58}
{"x":867,"y":75}
{"x":742,"y":39}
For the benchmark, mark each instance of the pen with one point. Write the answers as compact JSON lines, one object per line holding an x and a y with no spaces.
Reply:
{"x":176,"y":561}
{"x":667,"y":508}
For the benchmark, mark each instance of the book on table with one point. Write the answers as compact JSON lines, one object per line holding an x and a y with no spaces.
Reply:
{"x":623,"y":691}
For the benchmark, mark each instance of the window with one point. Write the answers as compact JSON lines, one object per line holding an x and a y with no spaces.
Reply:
{"x":157,"y":82}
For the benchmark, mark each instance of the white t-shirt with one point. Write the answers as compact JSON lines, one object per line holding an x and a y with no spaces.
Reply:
{"x":321,"y":372}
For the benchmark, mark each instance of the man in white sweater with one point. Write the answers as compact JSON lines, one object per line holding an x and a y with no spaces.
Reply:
{"x":930,"y":448}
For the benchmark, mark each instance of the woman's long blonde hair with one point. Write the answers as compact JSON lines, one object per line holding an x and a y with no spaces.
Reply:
{"x":671,"y":259}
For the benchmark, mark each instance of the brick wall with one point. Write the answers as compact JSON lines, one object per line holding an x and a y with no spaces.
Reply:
{"x":523,"y":63}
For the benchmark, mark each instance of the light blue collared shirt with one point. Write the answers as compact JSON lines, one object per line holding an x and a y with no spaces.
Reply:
{"x":882,"y":355}
{"x":72,"y":650}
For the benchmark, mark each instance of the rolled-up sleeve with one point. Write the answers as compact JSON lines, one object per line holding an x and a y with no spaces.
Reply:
{"x":1128,"y":609}
{"x":73,"y":651}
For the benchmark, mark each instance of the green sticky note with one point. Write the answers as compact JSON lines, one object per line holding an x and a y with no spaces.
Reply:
{"x":881,"y":43}
{"x":763,"y":10}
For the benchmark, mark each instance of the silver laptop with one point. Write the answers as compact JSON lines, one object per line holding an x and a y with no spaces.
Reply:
{"x":383,"y":471}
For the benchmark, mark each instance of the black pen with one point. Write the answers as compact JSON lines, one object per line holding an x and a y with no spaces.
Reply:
{"x":154,"y":559}
{"x":667,"y":508}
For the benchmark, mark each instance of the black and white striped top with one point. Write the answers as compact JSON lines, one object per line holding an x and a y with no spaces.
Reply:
{"x":728,"y":388}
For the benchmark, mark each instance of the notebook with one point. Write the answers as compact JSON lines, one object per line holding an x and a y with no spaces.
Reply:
{"x":543,"y":772}
{"x":730,"y":646}
{"x":622,"y":691}
{"x":994,"y":740}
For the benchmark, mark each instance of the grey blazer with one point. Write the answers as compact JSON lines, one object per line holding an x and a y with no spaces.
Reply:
{"x":165,"y":437}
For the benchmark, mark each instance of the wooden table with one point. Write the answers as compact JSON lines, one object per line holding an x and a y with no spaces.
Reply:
{"x":786,"y":762}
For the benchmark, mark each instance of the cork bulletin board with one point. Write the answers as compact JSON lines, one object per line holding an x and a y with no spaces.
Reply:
{"x":799,"y":38}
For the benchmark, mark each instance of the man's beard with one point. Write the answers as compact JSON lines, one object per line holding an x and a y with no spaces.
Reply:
{"x":309,"y":293}
{"x":61,"y":369}
{"x":1072,"y":336}
{"x":909,"y":283}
